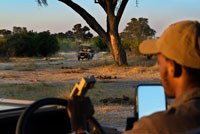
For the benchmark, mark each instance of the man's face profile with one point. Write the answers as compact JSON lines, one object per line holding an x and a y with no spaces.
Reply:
{"x":164,"y":74}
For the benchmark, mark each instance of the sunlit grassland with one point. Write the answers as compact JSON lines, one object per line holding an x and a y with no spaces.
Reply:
{"x":138,"y":66}
{"x":31,"y":91}
{"x":42,"y":90}
{"x":113,"y":115}
{"x":108,"y":114}
{"x":42,"y":63}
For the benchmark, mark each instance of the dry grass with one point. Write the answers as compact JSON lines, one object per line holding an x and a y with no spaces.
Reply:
{"x":27,"y":66}
{"x":35,"y":59}
{"x":138,"y":70}
{"x":4,"y":75}
{"x":32,"y":91}
{"x":49,"y":80}
{"x":113,"y":116}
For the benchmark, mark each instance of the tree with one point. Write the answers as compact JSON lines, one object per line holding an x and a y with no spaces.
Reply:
{"x":135,"y":32}
{"x":21,"y":44}
{"x":114,"y":10}
{"x":29,"y":44}
{"x":5,"y":32}
{"x":19,"y":29}
{"x":3,"y":48}
{"x":99,"y":43}
{"x":47,"y":44}
{"x":69,"y":34}
{"x":80,"y":33}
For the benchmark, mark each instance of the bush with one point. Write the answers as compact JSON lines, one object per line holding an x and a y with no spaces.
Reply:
{"x":29,"y":44}
{"x":47,"y":44}
{"x":3,"y":49}
{"x":22,"y":45}
{"x":100,"y":44}
{"x":65,"y":44}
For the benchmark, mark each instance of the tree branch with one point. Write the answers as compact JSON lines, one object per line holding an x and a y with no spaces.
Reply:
{"x":44,"y":2}
{"x":115,"y":3}
{"x":120,"y":12}
{"x":102,"y":3}
{"x":110,"y":8}
{"x":87,"y":17}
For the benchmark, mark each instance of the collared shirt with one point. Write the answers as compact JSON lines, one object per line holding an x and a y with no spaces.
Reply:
{"x":182,"y":116}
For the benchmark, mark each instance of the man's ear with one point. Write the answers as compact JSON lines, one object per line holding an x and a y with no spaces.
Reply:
{"x":175,"y":68}
{"x":178,"y":70}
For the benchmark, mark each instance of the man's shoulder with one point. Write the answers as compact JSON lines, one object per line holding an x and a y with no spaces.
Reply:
{"x":181,"y":118}
{"x":154,"y":123}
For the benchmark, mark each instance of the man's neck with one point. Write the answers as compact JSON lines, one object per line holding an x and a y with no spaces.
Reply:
{"x":185,"y":85}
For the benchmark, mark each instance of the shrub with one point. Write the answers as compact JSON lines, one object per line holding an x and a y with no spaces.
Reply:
{"x":29,"y":44}
{"x":47,"y":44}
{"x":3,"y":49}
{"x":100,"y":44}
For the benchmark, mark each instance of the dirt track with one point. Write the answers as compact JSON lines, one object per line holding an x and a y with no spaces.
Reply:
{"x":105,"y":74}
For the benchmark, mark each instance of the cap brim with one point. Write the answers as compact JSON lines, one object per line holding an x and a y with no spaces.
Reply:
{"x":148,"y":47}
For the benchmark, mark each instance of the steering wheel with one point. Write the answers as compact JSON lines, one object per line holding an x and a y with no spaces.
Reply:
{"x":25,"y":116}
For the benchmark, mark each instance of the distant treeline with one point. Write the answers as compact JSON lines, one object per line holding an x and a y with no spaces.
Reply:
{"x":28,"y":44}
{"x":23,"y":43}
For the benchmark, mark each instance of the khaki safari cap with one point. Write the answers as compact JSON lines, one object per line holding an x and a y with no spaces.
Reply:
{"x":180,"y":42}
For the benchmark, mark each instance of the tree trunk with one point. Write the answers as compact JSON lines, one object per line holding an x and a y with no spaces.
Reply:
{"x":119,"y":53}
{"x":111,"y":37}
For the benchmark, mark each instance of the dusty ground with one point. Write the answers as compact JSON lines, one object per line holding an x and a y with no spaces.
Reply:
{"x":139,"y":71}
{"x":65,"y":74}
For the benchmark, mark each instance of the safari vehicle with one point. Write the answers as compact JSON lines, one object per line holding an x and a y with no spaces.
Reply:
{"x":49,"y":115}
{"x":46,"y":117}
{"x":86,"y":52}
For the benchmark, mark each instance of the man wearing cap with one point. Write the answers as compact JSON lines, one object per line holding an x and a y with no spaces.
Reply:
{"x":178,"y":54}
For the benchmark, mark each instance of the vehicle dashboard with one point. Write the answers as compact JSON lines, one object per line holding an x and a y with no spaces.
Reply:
{"x":49,"y":120}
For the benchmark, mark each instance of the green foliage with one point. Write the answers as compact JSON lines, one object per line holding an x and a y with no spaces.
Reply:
{"x":19,"y":29}
{"x":29,"y":44}
{"x":47,"y":44}
{"x":5,"y":32}
{"x":80,"y":33}
{"x":64,"y":44}
{"x":68,"y":35}
{"x":3,"y":48}
{"x":71,"y":40}
{"x":2,"y":39}
{"x":135,"y":32}
{"x":75,"y":46}
{"x":22,"y":44}
{"x":67,"y":45}
{"x":100,"y":44}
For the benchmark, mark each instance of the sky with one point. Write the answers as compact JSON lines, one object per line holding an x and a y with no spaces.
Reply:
{"x":58,"y":17}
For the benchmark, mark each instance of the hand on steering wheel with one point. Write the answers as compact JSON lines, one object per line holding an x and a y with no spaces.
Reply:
{"x":25,"y":116}
{"x":79,"y":110}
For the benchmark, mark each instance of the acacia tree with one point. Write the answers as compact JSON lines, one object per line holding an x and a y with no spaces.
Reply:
{"x":136,"y":31}
{"x":114,"y":10}
{"x":82,"y":33}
